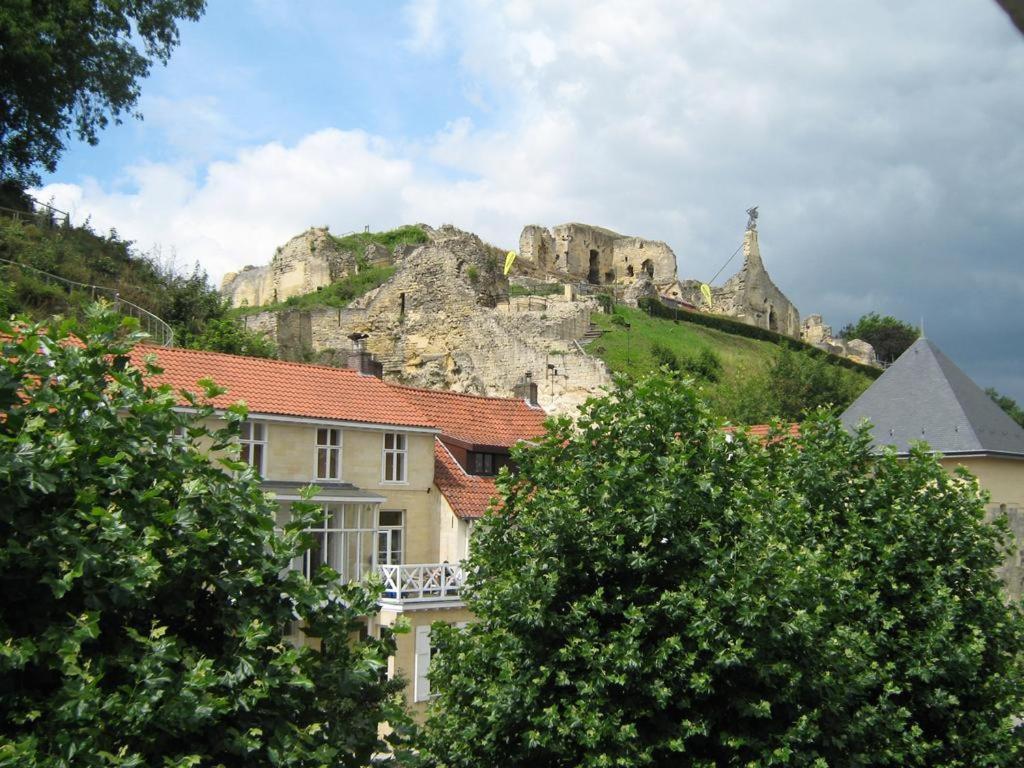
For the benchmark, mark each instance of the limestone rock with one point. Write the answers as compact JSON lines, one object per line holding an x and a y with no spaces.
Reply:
{"x":641,"y":288}
{"x":305,"y":263}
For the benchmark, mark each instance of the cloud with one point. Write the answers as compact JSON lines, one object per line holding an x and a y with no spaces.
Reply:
{"x":882,"y":144}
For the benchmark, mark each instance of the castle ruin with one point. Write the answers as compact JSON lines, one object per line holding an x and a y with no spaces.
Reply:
{"x":597,"y":256}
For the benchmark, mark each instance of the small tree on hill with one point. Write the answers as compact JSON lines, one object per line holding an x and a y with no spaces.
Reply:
{"x":144,"y":592}
{"x":889,"y":337}
{"x":658,"y":592}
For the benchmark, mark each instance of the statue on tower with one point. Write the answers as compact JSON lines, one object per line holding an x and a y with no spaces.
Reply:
{"x":752,"y":219}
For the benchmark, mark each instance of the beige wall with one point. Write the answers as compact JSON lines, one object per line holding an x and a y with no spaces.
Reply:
{"x":1004,"y":480}
{"x":403,"y":663}
{"x":453,"y":533}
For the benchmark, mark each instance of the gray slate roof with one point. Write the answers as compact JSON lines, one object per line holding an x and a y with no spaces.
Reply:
{"x":923,"y":396}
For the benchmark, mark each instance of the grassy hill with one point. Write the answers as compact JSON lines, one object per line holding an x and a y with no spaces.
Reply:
{"x":746,"y":380}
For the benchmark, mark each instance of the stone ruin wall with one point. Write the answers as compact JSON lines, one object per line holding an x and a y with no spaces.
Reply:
{"x":566,"y":251}
{"x":307,"y":262}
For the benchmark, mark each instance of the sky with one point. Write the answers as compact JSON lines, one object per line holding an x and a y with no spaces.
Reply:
{"x":882,"y":141}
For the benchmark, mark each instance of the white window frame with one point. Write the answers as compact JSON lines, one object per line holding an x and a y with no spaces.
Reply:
{"x":399,"y":458}
{"x":422,"y":653}
{"x":329,"y":448}
{"x":347,"y":539}
{"x":389,"y":531}
{"x":248,"y":443}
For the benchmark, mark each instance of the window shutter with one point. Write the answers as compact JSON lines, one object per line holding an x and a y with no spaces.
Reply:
{"x":421,"y":685}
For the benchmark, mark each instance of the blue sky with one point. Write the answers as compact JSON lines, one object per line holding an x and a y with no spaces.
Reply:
{"x":882,"y":141}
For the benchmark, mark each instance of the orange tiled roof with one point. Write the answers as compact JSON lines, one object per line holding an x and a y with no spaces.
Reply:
{"x":468,"y":495}
{"x":477,"y":420}
{"x":288,"y":389}
{"x":762,"y":430}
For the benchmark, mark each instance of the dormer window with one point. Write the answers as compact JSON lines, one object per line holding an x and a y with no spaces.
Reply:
{"x":485,"y":463}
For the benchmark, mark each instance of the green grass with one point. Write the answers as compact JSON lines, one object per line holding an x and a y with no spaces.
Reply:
{"x":630,"y":352}
{"x":741,"y":392}
{"x":357,"y":242}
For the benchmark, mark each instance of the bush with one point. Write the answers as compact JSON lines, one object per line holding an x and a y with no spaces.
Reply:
{"x":657,"y":592}
{"x":144,"y":591}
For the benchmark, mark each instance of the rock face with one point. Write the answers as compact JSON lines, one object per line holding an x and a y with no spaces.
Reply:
{"x":596,"y":255}
{"x":814,"y":331}
{"x":444,"y":321}
{"x":305,"y":263}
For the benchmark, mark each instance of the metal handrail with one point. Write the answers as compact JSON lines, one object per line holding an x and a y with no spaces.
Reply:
{"x":158,"y":329}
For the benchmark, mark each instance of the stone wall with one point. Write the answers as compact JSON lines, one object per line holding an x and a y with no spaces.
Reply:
{"x":596,"y":255}
{"x":305,"y":263}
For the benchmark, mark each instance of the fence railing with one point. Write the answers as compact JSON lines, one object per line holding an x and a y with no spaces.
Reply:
{"x":160,"y":332}
{"x":425,"y":581}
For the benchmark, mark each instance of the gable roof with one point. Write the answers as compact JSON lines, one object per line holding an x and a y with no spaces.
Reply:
{"x":925,"y":396}
{"x":278,"y":387}
{"x":475,"y":420}
{"x":468,"y":495}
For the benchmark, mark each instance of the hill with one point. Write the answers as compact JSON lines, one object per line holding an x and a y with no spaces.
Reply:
{"x":746,"y":380}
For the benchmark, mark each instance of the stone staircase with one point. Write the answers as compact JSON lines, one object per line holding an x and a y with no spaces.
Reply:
{"x":593,"y":332}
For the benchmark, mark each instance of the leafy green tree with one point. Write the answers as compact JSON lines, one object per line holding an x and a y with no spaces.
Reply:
{"x":145,"y":594}
{"x":1008,"y":404}
{"x":890,"y":337}
{"x":226,"y":335}
{"x":658,"y":592}
{"x":70,"y":67}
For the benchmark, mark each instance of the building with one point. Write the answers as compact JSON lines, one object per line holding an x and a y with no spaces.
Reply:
{"x":403,"y":473}
{"x":925,"y":397}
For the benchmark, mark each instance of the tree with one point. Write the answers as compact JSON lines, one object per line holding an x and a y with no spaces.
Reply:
{"x":890,"y":337}
{"x":145,"y":594}
{"x":72,"y":67}
{"x":1008,"y":404}
{"x":655,"y":591}
{"x":226,"y":335}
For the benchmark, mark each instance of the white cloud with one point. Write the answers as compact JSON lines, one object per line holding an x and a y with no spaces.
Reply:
{"x":881,"y":142}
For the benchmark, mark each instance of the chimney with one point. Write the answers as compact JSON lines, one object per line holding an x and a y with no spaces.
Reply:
{"x":359,"y":359}
{"x":526,"y":389}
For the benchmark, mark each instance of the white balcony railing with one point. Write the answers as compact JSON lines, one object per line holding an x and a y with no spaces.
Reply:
{"x":423,"y":582}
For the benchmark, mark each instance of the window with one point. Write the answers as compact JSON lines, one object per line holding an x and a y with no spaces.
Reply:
{"x":395,"y":455}
{"x":343,"y":540}
{"x":328,"y":454}
{"x":253,"y":443}
{"x":424,"y":653}
{"x":389,"y":537}
{"x":485,"y":463}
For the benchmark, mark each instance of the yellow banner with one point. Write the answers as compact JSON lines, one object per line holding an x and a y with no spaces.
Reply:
{"x":705,"y":291}
{"x":508,"y":261}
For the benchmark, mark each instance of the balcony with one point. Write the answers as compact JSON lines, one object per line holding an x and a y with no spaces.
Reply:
{"x":423,"y":585}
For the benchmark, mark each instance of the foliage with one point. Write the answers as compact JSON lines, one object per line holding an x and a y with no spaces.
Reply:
{"x":144,"y":591}
{"x":232,"y":337}
{"x":1008,"y":404}
{"x":71,"y":67}
{"x":186,"y":301}
{"x":889,"y":337}
{"x":655,"y":308}
{"x":658,"y":592}
{"x":357,"y":242}
{"x":663,"y":356}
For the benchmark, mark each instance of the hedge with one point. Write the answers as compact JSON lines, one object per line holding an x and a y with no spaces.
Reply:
{"x":655,"y":308}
